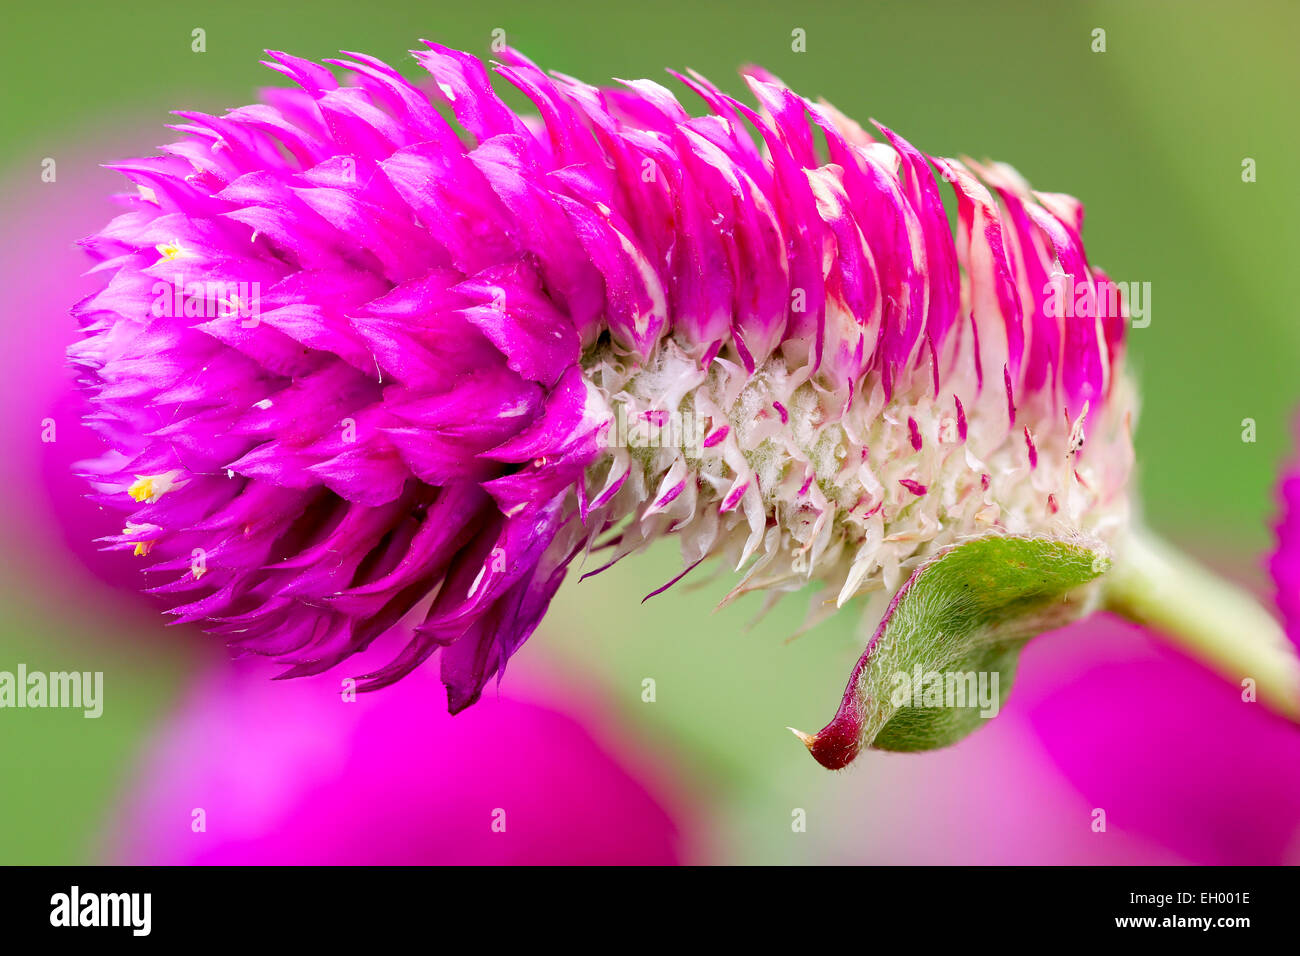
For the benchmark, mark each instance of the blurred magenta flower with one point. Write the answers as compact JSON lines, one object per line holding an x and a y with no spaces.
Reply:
{"x":1285,"y":561}
{"x":348,"y":355}
{"x":290,"y":773}
{"x":1166,"y":748}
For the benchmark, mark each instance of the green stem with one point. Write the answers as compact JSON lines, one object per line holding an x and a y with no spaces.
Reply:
{"x":1219,"y":623}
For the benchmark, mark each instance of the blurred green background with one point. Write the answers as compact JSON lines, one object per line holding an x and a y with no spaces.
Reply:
{"x":1150,"y":134}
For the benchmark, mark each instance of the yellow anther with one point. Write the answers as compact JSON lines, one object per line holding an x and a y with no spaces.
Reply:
{"x":149,"y":488}
{"x":141,"y":547}
{"x":171,"y":250}
{"x":142,"y":490}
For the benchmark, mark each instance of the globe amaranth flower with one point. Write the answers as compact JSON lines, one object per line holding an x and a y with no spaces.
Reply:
{"x":388,"y":354}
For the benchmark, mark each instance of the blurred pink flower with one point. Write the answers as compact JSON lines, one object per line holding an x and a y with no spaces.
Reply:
{"x":287,"y":772}
{"x":1285,"y":563}
{"x":1168,"y":749}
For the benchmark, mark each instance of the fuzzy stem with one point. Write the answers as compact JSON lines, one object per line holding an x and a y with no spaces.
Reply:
{"x":1217,"y":622}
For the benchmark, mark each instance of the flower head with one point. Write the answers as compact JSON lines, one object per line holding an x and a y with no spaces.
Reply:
{"x":362,"y":366}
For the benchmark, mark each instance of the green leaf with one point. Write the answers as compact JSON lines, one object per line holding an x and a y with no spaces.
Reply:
{"x":943,"y":658}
